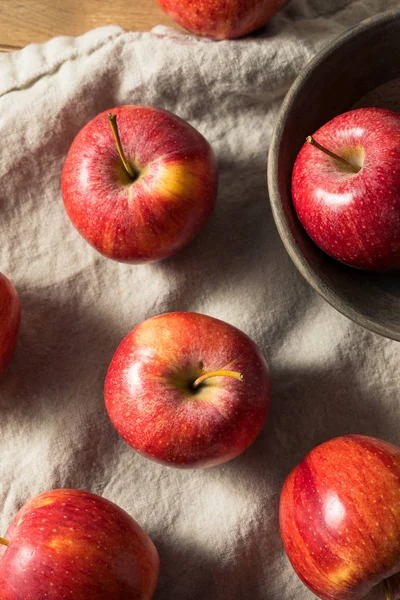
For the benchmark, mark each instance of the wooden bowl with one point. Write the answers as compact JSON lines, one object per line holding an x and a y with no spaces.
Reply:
{"x":360,"y":68}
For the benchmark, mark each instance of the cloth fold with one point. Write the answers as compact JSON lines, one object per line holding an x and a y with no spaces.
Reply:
{"x":216,"y":530}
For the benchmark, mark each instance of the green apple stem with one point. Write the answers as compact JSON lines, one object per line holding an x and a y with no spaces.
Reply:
{"x":4,"y":542}
{"x":388,"y":589}
{"x":313,"y":142}
{"x":114,"y":128}
{"x":220,"y":373}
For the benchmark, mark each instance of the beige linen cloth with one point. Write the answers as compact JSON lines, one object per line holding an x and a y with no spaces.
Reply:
{"x":216,"y":530}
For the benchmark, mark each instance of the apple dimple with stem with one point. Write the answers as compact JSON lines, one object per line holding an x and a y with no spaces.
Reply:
{"x":340,"y":519}
{"x":10,"y":318}
{"x":74,"y":545}
{"x":347,"y":166}
{"x":346,"y":188}
{"x":187,"y":390}
{"x":139,"y":183}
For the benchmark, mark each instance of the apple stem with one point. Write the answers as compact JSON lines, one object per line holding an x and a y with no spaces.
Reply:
{"x":114,"y":128}
{"x":313,"y":142}
{"x":388,"y":589}
{"x":4,"y":541}
{"x":220,"y":373}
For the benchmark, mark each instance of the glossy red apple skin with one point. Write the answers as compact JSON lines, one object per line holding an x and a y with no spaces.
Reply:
{"x":152,"y":405}
{"x":160,"y":212}
{"x":73,"y":545}
{"x":10,"y":318}
{"x":340,"y":517}
{"x":353,"y":217}
{"x":221,"y":19}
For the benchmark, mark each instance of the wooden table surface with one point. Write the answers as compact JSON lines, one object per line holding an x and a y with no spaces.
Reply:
{"x":26,"y":21}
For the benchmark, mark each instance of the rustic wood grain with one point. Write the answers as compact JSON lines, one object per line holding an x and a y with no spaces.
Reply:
{"x":26,"y":21}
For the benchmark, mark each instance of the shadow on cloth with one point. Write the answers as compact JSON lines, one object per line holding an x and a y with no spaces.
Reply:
{"x":59,"y":343}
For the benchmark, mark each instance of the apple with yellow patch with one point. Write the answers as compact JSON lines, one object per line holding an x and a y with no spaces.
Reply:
{"x":139,"y":183}
{"x":346,"y":188}
{"x":188,"y":390}
{"x":340,"y":519}
{"x":73,"y":545}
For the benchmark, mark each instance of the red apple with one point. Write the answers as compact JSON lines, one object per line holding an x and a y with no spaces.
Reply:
{"x":73,"y":545}
{"x":10,"y":317}
{"x":221,"y":19}
{"x":351,"y":207}
{"x":340,"y":518}
{"x":139,"y":185}
{"x":187,"y":390}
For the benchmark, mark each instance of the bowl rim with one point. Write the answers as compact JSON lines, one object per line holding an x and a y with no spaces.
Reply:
{"x":322,"y":287}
